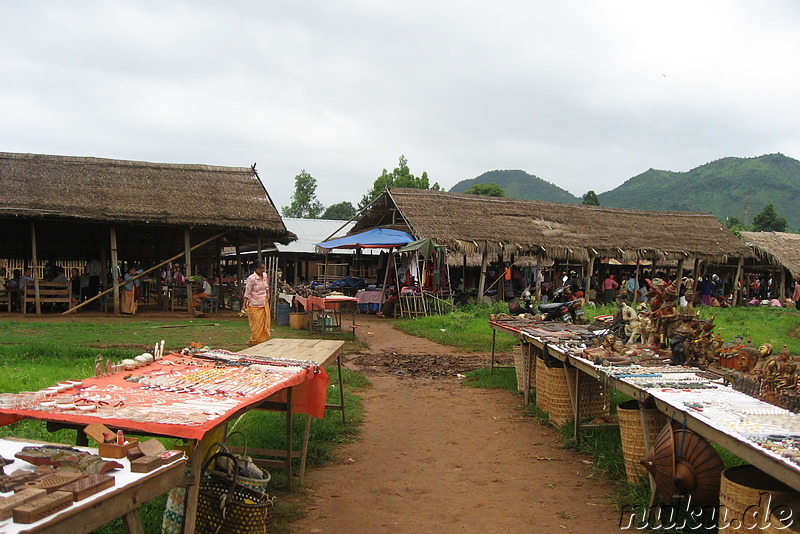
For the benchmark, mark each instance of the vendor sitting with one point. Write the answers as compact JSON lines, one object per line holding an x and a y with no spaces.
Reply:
{"x":204,"y":293}
{"x":387,"y":309}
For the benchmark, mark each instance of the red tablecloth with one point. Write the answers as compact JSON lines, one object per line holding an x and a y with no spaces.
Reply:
{"x":308,"y":396}
{"x":323,"y":303}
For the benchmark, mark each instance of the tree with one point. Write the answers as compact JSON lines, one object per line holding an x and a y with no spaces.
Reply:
{"x":341,"y":211}
{"x":489,"y":189}
{"x":304,"y":199}
{"x":769,"y":221}
{"x":400,"y":177}
{"x":590,"y":199}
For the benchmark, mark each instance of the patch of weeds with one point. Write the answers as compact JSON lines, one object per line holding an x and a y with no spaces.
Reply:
{"x":502,"y":378}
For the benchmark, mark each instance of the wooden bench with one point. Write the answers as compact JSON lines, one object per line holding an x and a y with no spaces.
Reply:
{"x":6,"y":298}
{"x":49,"y":292}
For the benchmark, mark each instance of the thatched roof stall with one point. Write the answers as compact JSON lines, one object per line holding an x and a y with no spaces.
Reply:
{"x":470,"y":224}
{"x":473,"y":223}
{"x":777,"y":248}
{"x":780,"y":252}
{"x":72,"y":203}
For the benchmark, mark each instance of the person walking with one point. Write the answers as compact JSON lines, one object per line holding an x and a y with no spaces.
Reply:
{"x":256,"y":302}
{"x":129,"y":304}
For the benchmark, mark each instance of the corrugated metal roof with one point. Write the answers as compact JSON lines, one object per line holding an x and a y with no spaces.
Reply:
{"x":309,"y":232}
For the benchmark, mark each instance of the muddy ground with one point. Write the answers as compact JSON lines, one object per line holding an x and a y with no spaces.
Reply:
{"x":435,"y":456}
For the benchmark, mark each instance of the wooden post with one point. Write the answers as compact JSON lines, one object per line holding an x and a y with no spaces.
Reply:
{"x":35,"y":271}
{"x":259,"y":255}
{"x":187,"y":247}
{"x":464,"y":274}
{"x":239,"y":287}
{"x":636,"y":286}
{"x":482,"y":279}
{"x":501,"y":289}
{"x":589,"y":275}
{"x":537,"y":278}
{"x":114,"y":260}
{"x":738,"y":283}
{"x":782,"y":274}
{"x":679,"y":273}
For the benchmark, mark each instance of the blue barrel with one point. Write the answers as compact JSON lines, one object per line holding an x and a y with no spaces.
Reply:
{"x":283,"y":314}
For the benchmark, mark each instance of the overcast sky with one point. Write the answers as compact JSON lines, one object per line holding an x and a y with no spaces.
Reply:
{"x":584,"y":94}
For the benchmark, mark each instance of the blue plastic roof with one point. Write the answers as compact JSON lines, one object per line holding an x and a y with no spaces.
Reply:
{"x":375,"y":238}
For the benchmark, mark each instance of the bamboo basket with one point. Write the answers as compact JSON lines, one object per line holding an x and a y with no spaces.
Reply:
{"x":559,"y":402}
{"x":521,"y":368}
{"x":593,"y":397}
{"x":745,"y":491}
{"x":542,"y":394}
{"x":792,"y":522}
{"x":227,"y":507}
{"x":633,"y":442}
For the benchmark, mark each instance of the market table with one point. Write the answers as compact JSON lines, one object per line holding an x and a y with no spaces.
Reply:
{"x":130,"y":491}
{"x":720,"y":425}
{"x":321,"y":351}
{"x":369,"y":301}
{"x":325,"y":313}
{"x":184,"y":397}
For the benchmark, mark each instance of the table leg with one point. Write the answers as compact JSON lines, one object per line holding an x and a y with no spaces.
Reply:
{"x":341,"y":387}
{"x":289,"y":443}
{"x":133,"y":523}
{"x":494,"y":335}
{"x":198,"y":455}
{"x":304,"y":453}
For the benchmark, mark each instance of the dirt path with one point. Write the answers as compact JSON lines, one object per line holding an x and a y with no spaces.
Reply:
{"x":434,"y":456}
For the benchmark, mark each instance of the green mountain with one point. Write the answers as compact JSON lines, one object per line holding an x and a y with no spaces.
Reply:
{"x":520,"y":184}
{"x":729,"y":187}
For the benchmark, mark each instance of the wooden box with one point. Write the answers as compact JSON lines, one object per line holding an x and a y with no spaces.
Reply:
{"x":7,"y":504}
{"x":145,"y":464}
{"x":112,"y":450}
{"x":41,"y":507}
{"x":96,"y":431}
{"x":88,"y":486}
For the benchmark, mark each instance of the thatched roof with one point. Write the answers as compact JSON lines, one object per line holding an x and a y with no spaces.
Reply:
{"x":35,"y":185}
{"x":83,"y":195}
{"x":471,"y":223}
{"x":778,"y":248}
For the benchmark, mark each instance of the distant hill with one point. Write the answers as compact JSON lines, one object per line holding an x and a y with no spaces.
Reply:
{"x":520,"y":184}
{"x":729,"y":187}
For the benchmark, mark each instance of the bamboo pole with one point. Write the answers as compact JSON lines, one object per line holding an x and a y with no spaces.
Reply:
{"x":114,"y":260}
{"x":738,"y":282}
{"x":116,"y":285}
{"x":35,"y":269}
{"x":482,"y":279}
{"x":188,"y":253}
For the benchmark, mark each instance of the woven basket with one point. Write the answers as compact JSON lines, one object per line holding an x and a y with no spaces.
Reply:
{"x":785,"y":518}
{"x":521,"y":368}
{"x":258,"y":484}
{"x":746,"y":490}
{"x":633,"y":442}
{"x":226,"y":507}
{"x":593,"y":397}
{"x":541,"y":388}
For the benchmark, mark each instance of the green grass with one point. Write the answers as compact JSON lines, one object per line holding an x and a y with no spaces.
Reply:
{"x":503,"y":378}
{"x":38,"y":353}
{"x":465,"y":329}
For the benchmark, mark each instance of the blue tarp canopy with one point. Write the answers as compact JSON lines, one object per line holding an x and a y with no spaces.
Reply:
{"x":375,"y":238}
